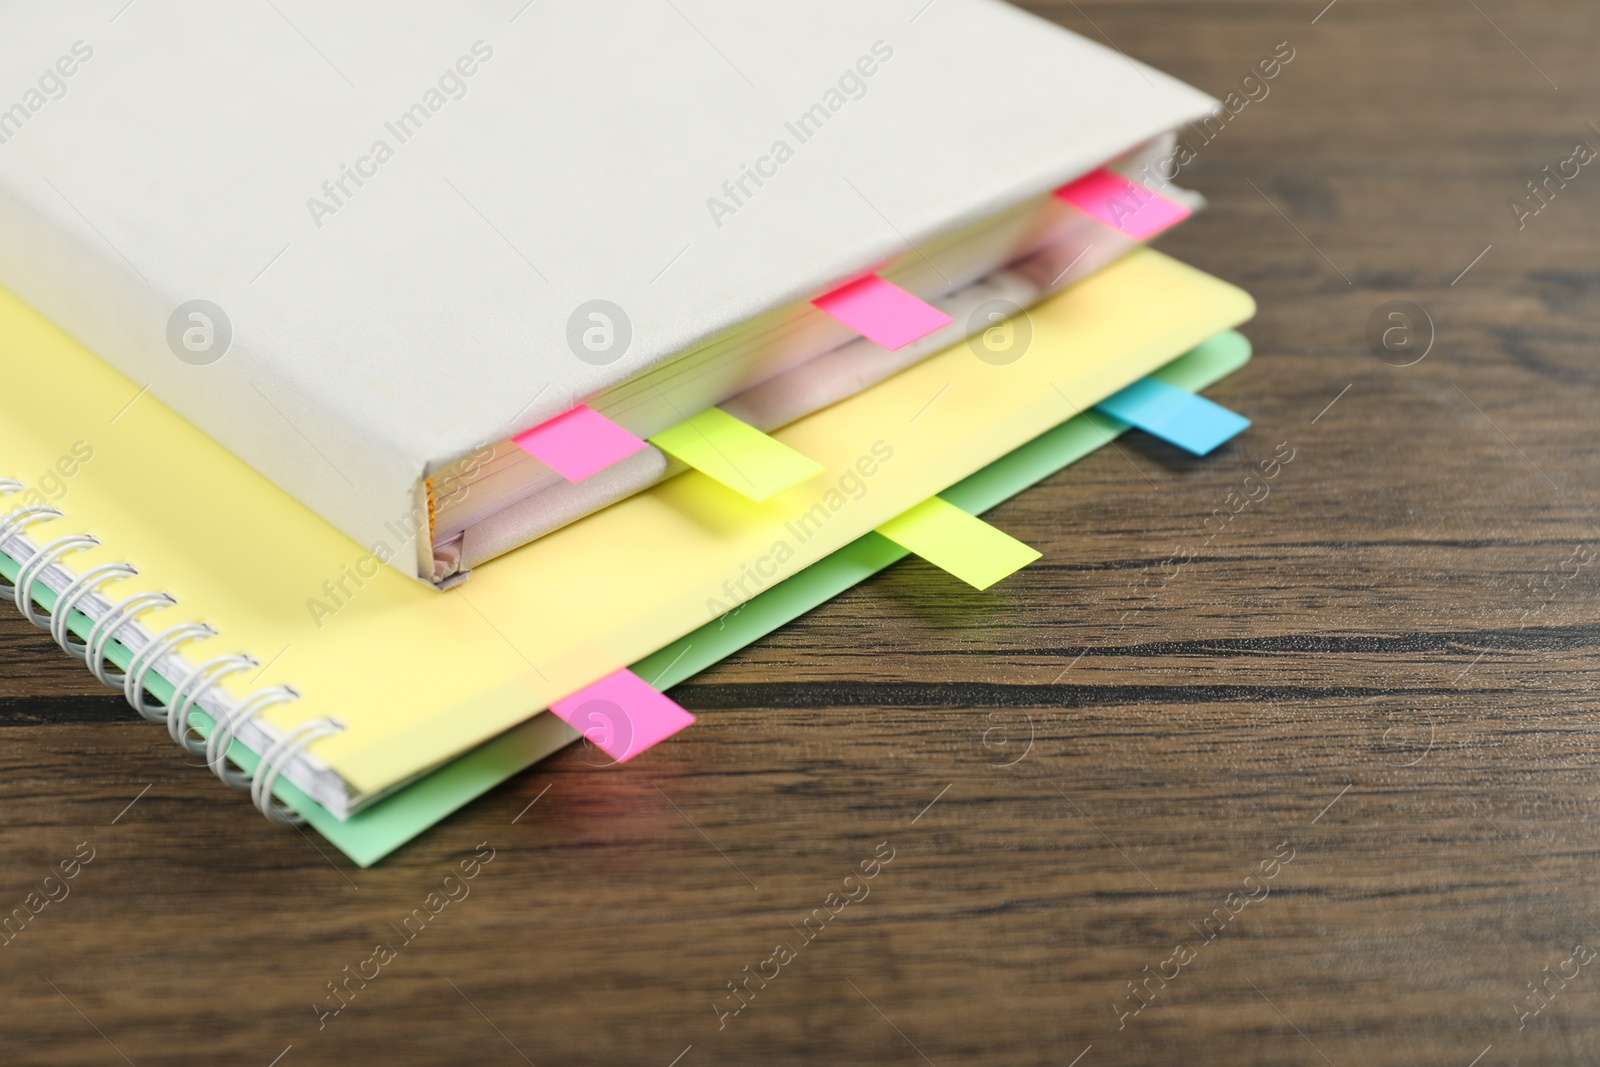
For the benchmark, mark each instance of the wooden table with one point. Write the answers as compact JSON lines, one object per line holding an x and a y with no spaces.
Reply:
{"x":1376,"y":685}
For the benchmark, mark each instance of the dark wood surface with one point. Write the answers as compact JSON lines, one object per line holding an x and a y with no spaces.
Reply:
{"x":1385,"y":669}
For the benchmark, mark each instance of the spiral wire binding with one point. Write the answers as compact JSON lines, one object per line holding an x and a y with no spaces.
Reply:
{"x":36,"y":566}
{"x":274,"y":759}
{"x":221,"y":738}
{"x":105,"y":629}
{"x":81,"y":587}
{"x":20,"y":520}
{"x":133,"y":683}
{"x":186,"y":696}
{"x":194,"y":687}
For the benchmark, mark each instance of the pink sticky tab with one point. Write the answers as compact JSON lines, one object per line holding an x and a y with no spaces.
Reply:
{"x":580,"y":443}
{"x":622,"y":715}
{"x":883,"y":312}
{"x":1123,"y":205}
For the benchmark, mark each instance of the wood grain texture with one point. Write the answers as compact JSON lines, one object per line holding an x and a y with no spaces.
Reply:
{"x":1383,"y":669}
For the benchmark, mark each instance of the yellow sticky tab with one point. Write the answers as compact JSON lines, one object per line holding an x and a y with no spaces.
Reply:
{"x":736,"y":454}
{"x":962,"y":544}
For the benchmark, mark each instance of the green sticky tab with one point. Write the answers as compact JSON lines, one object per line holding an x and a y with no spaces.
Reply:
{"x":962,"y":544}
{"x":736,"y":454}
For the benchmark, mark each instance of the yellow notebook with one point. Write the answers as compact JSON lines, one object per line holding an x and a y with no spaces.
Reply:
{"x":412,"y":676}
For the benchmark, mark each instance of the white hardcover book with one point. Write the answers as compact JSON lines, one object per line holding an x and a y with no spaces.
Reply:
{"x":359,"y":244}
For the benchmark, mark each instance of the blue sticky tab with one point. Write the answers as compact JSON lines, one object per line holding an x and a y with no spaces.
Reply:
{"x":1191,"y":422}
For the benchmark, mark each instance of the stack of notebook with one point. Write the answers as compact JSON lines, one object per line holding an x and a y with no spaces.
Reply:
{"x":392,"y":411}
